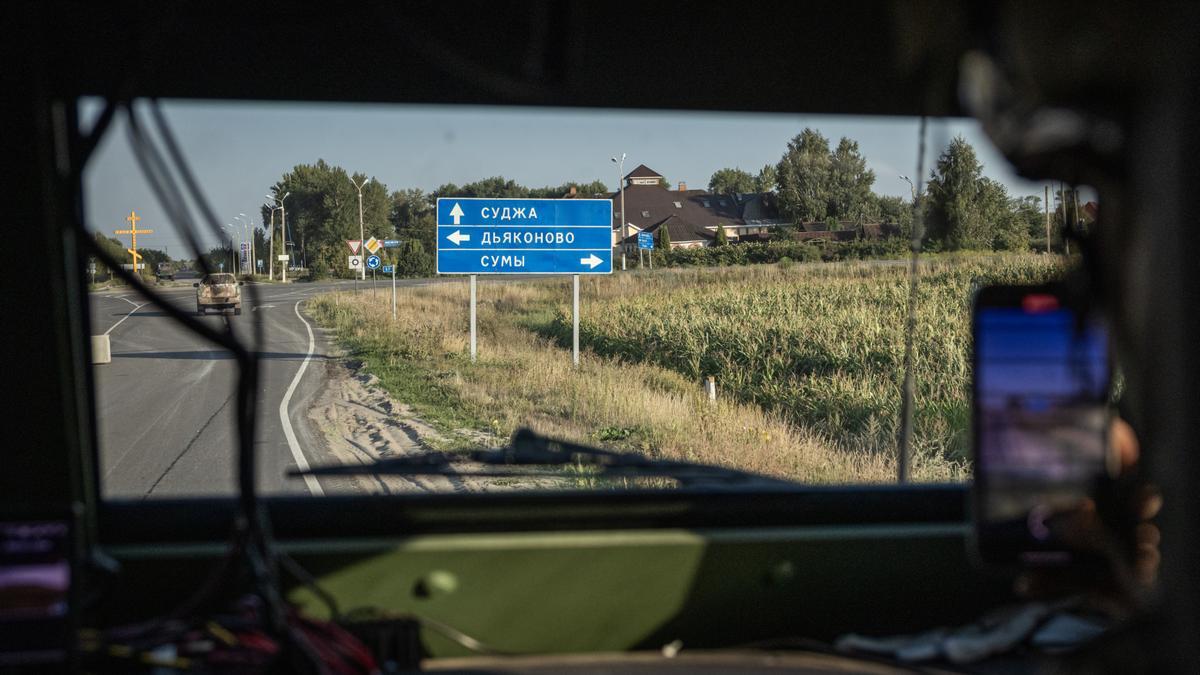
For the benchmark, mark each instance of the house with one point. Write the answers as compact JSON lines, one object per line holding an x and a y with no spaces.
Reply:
{"x":690,"y":216}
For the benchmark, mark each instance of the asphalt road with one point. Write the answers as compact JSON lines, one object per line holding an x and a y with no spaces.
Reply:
{"x":165,"y":404}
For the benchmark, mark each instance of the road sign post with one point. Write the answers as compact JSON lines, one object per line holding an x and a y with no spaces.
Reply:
{"x":373,"y":262}
{"x":391,"y":269}
{"x":473,"y":318}
{"x":575,"y":320}
{"x":524,"y":236}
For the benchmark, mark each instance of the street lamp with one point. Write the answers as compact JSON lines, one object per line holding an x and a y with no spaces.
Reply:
{"x":621,"y":186}
{"x":361,"y":268}
{"x":251,"y":238}
{"x":283,"y":227}
{"x":911,"y":188}
{"x":231,"y":230}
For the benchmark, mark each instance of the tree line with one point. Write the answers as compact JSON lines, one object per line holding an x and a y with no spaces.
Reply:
{"x":961,"y":208}
{"x":322,"y":214}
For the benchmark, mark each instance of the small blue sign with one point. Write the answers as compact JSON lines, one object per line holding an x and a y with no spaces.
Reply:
{"x":524,"y":236}
{"x":373,"y":262}
{"x":391,"y":243}
{"x":645,"y":240}
{"x":388,"y":269}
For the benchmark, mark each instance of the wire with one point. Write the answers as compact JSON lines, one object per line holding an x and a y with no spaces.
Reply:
{"x":904,"y":452}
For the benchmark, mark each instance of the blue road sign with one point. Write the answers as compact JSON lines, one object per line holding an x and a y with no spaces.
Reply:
{"x":524,"y":236}
{"x":373,"y":262}
{"x":645,"y":240}
{"x":391,"y":243}
{"x":387,"y":269}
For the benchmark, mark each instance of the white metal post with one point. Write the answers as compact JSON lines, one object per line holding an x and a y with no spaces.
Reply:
{"x":283,"y":229}
{"x":393,"y":291}
{"x":473,"y":352}
{"x":575,"y":320}
{"x":361,"y":234}
{"x":271,"y":258}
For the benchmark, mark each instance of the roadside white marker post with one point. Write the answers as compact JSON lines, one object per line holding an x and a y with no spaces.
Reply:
{"x":393,"y":291}
{"x":575,"y":319}
{"x":473,"y":318}
{"x":622,"y":262}
{"x":710,"y":385}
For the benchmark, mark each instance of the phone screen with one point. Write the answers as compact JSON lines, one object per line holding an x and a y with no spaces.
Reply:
{"x":35,"y":585}
{"x":1041,"y":420}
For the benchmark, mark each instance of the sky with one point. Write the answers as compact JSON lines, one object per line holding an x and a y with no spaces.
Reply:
{"x":239,"y":149}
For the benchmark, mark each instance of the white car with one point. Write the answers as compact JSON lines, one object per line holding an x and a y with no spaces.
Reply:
{"x":218,"y":291}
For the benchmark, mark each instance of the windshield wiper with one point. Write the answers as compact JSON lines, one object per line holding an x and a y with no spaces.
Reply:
{"x":528,"y":449}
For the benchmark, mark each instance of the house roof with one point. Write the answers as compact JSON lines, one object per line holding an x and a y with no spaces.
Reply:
{"x":643,"y":171}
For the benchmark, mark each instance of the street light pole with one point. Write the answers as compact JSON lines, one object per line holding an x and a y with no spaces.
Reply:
{"x":621,"y":186}
{"x":911,"y":188}
{"x":278,"y":206}
{"x":361,"y":238}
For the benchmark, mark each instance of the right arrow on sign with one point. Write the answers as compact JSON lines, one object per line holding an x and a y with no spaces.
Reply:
{"x":456,"y":213}
{"x":458,"y":237}
{"x":592,"y":260}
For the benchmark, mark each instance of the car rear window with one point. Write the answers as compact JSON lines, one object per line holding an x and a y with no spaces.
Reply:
{"x":214,"y":279}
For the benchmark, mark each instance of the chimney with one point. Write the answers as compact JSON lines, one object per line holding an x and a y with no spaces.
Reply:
{"x":682,"y":186}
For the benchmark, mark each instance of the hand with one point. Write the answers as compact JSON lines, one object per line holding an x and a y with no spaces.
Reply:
{"x":1126,"y":577}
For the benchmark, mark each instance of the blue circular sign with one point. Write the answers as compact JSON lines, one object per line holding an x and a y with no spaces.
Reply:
{"x":372,"y":262}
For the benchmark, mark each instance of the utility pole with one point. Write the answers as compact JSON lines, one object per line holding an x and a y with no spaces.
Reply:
{"x":361,"y":238}
{"x":1046,"y":206}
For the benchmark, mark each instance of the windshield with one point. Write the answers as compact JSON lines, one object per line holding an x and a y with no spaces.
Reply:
{"x":737,"y":287}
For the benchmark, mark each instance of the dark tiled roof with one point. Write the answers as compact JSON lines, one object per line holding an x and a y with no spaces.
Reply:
{"x":643,"y":171}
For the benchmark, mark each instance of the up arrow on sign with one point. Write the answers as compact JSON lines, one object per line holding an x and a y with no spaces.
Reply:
{"x":456,"y":213}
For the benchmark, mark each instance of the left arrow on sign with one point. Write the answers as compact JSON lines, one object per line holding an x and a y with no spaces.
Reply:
{"x":458,"y":237}
{"x":592,"y":260}
{"x":456,"y":213}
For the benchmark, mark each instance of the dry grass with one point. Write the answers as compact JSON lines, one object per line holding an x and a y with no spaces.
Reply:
{"x":651,"y":405}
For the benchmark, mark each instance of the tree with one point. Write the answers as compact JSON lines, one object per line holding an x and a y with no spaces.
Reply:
{"x":664,"y":238}
{"x":414,"y":261}
{"x":721,"y":238}
{"x":322,"y":213}
{"x":731,"y":182}
{"x":413,"y":217}
{"x":996,"y":210}
{"x":955,"y":198}
{"x":766,"y":178}
{"x":802,"y":178}
{"x":850,"y":182}
{"x":895,"y":210}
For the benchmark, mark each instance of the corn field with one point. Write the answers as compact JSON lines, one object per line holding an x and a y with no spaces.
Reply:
{"x":821,"y":346}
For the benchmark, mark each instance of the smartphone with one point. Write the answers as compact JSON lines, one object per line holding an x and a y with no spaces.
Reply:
{"x":1040,"y":397}
{"x":38,"y":555}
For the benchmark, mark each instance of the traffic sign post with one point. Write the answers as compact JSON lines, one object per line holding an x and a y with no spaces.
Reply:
{"x":391,"y":269}
{"x":645,"y":242}
{"x":473,"y":351}
{"x":524,"y":236}
{"x":373,"y":261}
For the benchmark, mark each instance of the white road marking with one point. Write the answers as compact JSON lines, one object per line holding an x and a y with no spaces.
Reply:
{"x":121,"y":297}
{"x":314,"y":486}
{"x":136,"y":307}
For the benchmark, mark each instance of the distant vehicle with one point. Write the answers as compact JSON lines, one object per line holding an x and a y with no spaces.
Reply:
{"x":218,"y":291}
{"x":165,"y":270}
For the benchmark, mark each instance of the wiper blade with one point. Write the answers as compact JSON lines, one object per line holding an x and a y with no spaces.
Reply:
{"x":528,"y":449}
